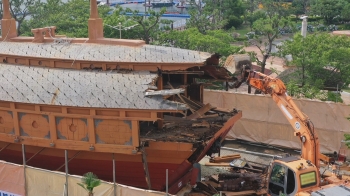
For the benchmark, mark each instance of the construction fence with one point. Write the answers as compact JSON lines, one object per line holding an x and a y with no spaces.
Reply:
{"x":262,"y":120}
{"x":19,"y":180}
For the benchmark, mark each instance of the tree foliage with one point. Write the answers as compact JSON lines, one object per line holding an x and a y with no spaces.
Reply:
{"x":70,"y":18}
{"x":300,"y":7}
{"x":321,"y":59}
{"x":216,"y":14}
{"x":149,"y":26}
{"x":269,"y":29}
{"x":329,"y":10}
{"x":214,"y":41}
{"x":19,"y":10}
{"x":254,"y":16}
{"x":89,"y":182}
{"x":135,"y":26}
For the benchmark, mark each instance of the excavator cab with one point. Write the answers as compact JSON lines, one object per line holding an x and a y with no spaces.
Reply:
{"x":282,"y":180}
{"x":291,"y":175}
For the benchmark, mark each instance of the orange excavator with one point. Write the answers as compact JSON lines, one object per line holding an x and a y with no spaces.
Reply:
{"x":295,"y":175}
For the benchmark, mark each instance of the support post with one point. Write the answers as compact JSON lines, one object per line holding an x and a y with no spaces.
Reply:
{"x":145,"y":166}
{"x":114,"y":185}
{"x":24,"y":154}
{"x":24,"y":166}
{"x":66,"y":164}
{"x":160,"y":114}
{"x":166,"y":182}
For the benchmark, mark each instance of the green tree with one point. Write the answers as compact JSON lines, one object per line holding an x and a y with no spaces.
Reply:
{"x":89,"y":181}
{"x":254,"y":16}
{"x":269,"y":29}
{"x":321,"y":61}
{"x":214,"y":41}
{"x":70,"y":18}
{"x":300,"y":7}
{"x":19,"y":10}
{"x":329,"y":10}
{"x":148,"y":27}
{"x":232,"y":10}
{"x":345,"y":14}
{"x":216,"y":14}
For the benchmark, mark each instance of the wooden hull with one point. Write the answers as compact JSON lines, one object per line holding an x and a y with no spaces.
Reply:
{"x":177,"y":157}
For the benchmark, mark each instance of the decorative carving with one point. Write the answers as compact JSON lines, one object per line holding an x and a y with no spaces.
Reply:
{"x":113,"y":131}
{"x":71,"y":128}
{"x":33,"y":125}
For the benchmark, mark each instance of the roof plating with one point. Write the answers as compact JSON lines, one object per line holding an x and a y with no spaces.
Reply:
{"x":109,"y":53}
{"x":81,"y":88}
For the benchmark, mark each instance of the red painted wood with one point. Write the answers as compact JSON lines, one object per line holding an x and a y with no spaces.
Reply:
{"x":127,"y":173}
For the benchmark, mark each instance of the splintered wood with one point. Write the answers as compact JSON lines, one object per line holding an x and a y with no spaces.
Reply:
{"x":227,"y":158}
{"x":200,"y":113}
{"x":244,"y":178}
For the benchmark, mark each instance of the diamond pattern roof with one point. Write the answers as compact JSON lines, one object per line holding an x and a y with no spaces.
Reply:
{"x":81,"y":88}
{"x":98,"y":52}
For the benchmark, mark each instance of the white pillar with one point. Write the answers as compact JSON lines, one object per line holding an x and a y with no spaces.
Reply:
{"x":304,"y":26}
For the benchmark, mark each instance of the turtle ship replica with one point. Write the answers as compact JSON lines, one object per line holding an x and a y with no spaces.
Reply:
{"x":121,"y":109}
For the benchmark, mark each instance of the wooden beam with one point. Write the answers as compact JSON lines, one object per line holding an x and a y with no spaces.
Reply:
{"x":135,"y":133}
{"x":53,"y":132}
{"x":70,"y":145}
{"x":199,"y":113}
{"x":15,"y":120}
{"x":160,"y":114}
{"x":91,"y":128}
{"x":185,"y":83}
{"x":183,"y":72}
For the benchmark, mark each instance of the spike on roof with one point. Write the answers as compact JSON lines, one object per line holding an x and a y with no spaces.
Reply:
{"x":8,"y":24}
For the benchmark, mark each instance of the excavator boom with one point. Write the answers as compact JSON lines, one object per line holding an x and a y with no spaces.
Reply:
{"x":303,"y":127}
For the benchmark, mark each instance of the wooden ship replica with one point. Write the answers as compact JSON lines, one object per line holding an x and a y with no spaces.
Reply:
{"x":121,"y":109}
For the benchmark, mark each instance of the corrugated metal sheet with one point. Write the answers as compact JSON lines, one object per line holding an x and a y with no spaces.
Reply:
{"x":111,"y":53}
{"x":104,"y":89}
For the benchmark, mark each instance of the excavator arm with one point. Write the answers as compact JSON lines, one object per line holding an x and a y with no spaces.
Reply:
{"x":303,"y":127}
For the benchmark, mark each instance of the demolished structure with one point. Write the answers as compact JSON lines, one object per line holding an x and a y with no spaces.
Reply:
{"x":121,"y":109}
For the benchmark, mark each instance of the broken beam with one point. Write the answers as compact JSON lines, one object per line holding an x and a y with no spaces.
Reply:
{"x":199,"y":113}
{"x":165,"y":92}
{"x":184,"y":72}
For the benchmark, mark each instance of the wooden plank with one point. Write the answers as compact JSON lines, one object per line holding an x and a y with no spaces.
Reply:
{"x":181,"y":98}
{"x":225,"y":159}
{"x":77,"y":145}
{"x":223,"y":110}
{"x":53,"y":133}
{"x":240,"y":193}
{"x":15,"y":120}
{"x":160,"y":114}
{"x":218,"y":164}
{"x":91,"y":128}
{"x":135,"y":133}
{"x":199,"y":113}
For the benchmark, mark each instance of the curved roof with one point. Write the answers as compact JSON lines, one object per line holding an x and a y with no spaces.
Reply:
{"x":82,"y":88}
{"x":100,"y":52}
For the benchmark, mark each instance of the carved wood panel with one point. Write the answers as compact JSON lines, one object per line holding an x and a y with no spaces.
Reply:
{"x":113,"y":131}
{"x":72,"y":129}
{"x":6,"y":122}
{"x":34,"y":125}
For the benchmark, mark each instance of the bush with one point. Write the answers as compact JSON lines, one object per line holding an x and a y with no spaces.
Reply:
{"x":233,"y":21}
{"x":241,"y":39}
